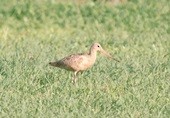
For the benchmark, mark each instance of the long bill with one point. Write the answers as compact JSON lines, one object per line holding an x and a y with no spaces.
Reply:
{"x":108,"y":55}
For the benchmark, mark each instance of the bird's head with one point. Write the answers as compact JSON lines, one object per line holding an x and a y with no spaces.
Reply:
{"x":97,"y":47}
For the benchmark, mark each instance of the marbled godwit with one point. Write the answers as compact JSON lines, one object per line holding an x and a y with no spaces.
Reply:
{"x":80,"y":62}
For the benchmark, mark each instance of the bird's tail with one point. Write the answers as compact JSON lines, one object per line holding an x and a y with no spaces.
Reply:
{"x":53,"y":64}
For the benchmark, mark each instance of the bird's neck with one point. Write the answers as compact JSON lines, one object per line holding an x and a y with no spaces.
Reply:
{"x":92,"y":56}
{"x":92,"y":53}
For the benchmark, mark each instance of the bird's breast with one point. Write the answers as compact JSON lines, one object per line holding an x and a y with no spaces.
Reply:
{"x":86,"y":63}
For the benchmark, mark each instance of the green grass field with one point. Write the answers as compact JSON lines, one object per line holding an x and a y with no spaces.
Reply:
{"x":34,"y":32}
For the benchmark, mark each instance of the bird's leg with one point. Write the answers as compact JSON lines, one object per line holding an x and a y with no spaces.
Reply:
{"x":74,"y":79}
{"x":81,"y":72}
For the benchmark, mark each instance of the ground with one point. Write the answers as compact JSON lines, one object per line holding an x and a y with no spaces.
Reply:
{"x":34,"y":32}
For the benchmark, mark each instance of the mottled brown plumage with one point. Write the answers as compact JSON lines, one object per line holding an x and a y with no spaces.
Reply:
{"x":79,"y":62}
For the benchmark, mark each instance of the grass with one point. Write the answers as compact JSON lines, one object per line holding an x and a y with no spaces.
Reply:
{"x":32,"y":33}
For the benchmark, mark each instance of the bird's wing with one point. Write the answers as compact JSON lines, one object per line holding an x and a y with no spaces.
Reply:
{"x":71,"y":62}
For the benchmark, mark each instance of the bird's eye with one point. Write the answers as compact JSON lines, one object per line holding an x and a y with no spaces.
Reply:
{"x":98,"y":46}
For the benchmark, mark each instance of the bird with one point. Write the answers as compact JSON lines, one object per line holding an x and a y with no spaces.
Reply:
{"x":81,"y":61}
